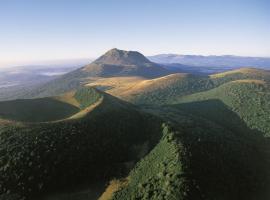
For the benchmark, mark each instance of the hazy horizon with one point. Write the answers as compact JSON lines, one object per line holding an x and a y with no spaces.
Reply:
{"x":70,"y":61}
{"x":35,"y":31}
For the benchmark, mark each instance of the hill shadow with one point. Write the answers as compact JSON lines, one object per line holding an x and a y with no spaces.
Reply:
{"x":227,"y":160}
{"x":36,"y":110}
{"x":219,"y":113}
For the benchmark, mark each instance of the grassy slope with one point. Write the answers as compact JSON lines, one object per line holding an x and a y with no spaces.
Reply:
{"x":162,"y":90}
{"x":30,"y":161}
{"x":116,"y":86}
{"x":158,"y":90}
{"x":240,"y":74}
{"x":169,"y":88}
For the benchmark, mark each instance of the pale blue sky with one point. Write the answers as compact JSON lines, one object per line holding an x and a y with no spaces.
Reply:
{"x":64,"y":29}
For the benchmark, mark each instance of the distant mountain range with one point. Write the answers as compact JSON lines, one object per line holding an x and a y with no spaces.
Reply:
{"x":212,"y":61}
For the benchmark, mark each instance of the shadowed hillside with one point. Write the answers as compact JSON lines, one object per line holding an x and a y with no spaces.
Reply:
{"x":248,"y":98}
{"x":92,"y":146}
{"x":202,"y":160}
{"x":36,"y":110}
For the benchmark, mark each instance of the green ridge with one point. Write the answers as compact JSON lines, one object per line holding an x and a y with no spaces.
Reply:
{"x":250,"y":101}
{"x":159,"y":175}
{"x":39,"y":157}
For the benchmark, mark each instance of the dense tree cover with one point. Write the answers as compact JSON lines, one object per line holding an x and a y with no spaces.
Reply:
{"x":251,"y":101}
{"x":215,"y":150}
{"x":222,"y":131}
{"x":201,"y":160}
{"x":160,"y":175}
{"x":39,"y":157}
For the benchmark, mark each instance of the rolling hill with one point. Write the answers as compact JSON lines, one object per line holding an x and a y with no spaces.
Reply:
{"x":246,"y":91}
{"x":153,"y":91}
{"x":198,"y":160}
{"x":167,"y":89}
{"x":249,"y":98}
{"x":100,"y":140}
{"x":213,"y":144}
{"x":219,"y":148}
{"x":220,"y":145}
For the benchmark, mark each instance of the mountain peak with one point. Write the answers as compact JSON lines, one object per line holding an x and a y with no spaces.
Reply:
{"x":120,"y":57}
{"x":117,"y":62}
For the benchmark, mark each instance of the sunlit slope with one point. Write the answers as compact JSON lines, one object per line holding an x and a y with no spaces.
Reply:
{"x":164,"y":89}
{"x":157,"y":91}
{"x":243,"y":73}
{"x":116,"y":86}
{"x":167,"y":89}
{"x":92,"y":146}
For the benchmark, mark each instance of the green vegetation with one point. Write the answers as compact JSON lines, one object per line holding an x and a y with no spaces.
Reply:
{"x":183,"y":86}
{"x":49,"y":108}
{"x":161,"y":93}
{"x":200,"y":161}
{"x":159,"y":175}
{"x":221,"y":127}
{"x":40,"y":157}
{"x":216,"y":145}
{"x":86,"y":96}
{"x":250,"y":100}
{"x":244,"y":91}
{"x":241,"y":74}
{"x":36,"y":110}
